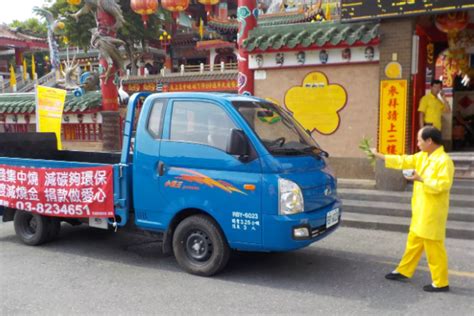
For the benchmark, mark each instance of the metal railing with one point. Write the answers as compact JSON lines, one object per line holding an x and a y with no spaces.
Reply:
{"x":191,"y":69}
{"x":207,"y":67}
{"x":5,"y":84}
{"x":46,"y":79}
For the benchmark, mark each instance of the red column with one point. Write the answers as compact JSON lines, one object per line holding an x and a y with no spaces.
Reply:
{"x":109,"y":90}
{"x":168,"y":62}
{"x":18,"y":56}
{"x":246,"y":15}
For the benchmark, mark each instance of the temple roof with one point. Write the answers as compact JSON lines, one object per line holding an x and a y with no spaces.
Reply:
{"x":306,"y":35}
{"x":11,"y":38}
{"x":284,"y":18}
{"x":207,"y":45}
{"x":19,"y":103}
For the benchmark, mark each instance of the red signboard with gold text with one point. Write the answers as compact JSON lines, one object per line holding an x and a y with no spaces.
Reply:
{"x":212,"y":85}
{"x":71,"y":192}
{"x":392,"y":122}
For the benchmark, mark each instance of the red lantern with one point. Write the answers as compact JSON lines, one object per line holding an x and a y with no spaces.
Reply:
{"x":452,"y":22}
{"x":456,"y":62}
{"x":175,"y":6}
{"x":144,"y":8}
{"x":208,"y":3}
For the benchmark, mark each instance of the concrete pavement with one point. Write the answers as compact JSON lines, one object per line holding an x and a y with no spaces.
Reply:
{"x":100,"y":273}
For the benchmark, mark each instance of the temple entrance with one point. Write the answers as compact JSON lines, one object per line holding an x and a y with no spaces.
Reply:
{"x":446,"y":53}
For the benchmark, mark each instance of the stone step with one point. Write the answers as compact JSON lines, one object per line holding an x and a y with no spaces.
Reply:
{"x":355,"y":183}
{"x":462,"y":157}
{"x":464,"y":174}
{"x":398,"y":197}
{"x":464,"y":182}
{"x":401,"y":210}
{"x":460,"y":186}
{"x":464,"y":165}
{"x":454,"y":229}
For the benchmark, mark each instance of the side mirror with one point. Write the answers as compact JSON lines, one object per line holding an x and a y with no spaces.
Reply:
{"x":238,"y":143}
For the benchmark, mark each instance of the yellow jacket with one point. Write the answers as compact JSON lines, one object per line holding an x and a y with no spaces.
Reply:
{"x":433,"y":109}
{"x":430,"y":201}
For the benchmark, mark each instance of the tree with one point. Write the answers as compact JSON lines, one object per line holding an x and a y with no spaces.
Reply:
{"x":132,"y":33}
{"x":32,"y":27}
{"x":77,"y":33}
{"x":135,"y":34}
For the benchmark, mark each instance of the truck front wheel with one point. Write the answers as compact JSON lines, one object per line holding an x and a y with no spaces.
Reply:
{"x":32,"y":229}
{"x":199,"y":246}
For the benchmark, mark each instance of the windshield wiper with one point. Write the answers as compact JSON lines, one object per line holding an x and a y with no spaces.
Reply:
{"x":289,"y":150}
{"x":319,"y":152}
{"x":304,"y":150}
{"x":285,"y":150}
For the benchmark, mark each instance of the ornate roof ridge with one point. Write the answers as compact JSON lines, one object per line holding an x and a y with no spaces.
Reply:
{"x":214,"y":43}
{"x":279,"y":18}
{"x":306,"y":35}
{"x":11,"y":33}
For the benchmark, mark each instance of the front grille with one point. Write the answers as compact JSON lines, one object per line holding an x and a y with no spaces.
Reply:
{"x":316,"y":231}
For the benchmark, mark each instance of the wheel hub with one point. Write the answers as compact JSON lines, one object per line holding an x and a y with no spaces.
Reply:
{"x":199,"y":246}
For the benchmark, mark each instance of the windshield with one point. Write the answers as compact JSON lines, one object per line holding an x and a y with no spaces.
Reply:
{"x":277,"y":130}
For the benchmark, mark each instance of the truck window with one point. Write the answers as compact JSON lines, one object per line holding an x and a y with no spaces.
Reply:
{"x":277,"y":130}
{"x":155,"y":120}
{"x":200,"y":122}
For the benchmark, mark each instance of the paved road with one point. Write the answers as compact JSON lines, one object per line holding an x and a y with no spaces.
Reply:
{"x":96,"y":272}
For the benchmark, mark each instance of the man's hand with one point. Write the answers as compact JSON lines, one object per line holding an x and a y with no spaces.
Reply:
{"x":447,"y":108}
{"x":414,"y":177}
{"x":377,"y":154}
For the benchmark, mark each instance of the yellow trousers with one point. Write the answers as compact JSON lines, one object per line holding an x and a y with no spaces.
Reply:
{"x":435,"y":255}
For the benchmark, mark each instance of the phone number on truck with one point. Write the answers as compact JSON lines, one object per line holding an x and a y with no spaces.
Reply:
{"x":53,"y":209}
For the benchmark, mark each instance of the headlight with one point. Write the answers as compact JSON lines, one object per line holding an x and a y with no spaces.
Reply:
{"x":291,"y":198}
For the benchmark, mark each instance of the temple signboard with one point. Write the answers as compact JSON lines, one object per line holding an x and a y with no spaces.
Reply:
{"x":361,"y":10}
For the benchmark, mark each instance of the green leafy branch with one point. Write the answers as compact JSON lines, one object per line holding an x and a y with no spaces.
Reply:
{"x":365,"y":146}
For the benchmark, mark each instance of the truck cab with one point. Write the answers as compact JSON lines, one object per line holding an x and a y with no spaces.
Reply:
{"x":219,"y":171}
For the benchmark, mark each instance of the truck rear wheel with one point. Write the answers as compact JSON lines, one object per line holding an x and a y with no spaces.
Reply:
{"x":199,"y":246}
{"x":32,"y":229}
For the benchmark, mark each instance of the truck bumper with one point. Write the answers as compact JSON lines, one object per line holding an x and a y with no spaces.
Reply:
{"x":280,"y":232}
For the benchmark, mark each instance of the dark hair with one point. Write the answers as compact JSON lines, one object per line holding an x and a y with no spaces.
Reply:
{"x":436,"y":81}
{"x":433,"y":133}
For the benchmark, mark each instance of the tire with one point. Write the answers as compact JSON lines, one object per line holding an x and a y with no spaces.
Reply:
{"x":199,"y":231}
{"x":32,"y":229}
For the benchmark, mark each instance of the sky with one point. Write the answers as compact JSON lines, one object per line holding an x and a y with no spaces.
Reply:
{"x":17,"y":10}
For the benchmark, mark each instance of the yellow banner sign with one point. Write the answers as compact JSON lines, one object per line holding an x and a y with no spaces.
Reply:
{"x":392,"y":122}
{"x":49,"y":110}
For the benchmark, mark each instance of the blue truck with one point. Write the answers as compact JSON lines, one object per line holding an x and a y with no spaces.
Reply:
{"x":207,"y":172}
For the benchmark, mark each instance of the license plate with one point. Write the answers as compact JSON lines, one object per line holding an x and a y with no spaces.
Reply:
{"x":332,"y":217}
{"x":98,"y":222}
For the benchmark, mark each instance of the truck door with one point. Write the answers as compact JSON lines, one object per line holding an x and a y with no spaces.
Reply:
{"x":146,"y":163}
{"x":197,"y":173}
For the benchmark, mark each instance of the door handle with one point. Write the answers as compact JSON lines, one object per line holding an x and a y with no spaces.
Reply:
{"x":161,"y":168}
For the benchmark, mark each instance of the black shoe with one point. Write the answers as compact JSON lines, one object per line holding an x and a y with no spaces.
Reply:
{"x":431,"y":288}
{"x":396,"y":276}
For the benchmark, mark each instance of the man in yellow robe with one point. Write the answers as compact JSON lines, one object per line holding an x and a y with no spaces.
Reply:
{"x":433,"y":172}
{"x":431,"y":107}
